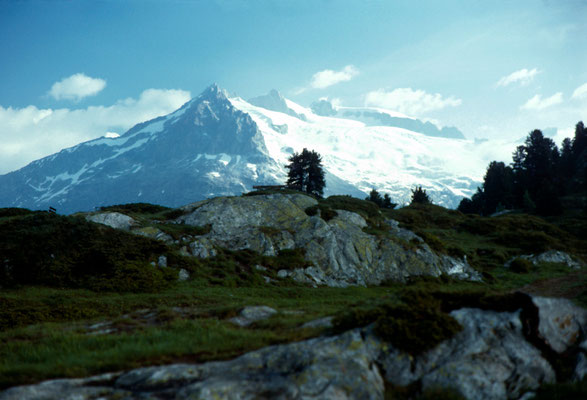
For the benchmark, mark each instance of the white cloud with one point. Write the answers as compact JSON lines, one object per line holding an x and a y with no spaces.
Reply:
{"x":580,"y":92}
{"x":76,"y":87}
{"x":328,"y":77}
{"x":538,"y":103}
{"x":30,"y":133}
{"x":409,"y":101}
{"x":522,"y":77}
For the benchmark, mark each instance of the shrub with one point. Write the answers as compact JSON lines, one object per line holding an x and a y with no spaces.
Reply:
{"x":433,"y":241}
{"x":419,"y":196}
{"x":134,"y":277}
{"x":415,"y":327}
{"x":521,"y":266}
{"x":364,"y":208}
{"x":14,"y":212}
{"x":326,"y":213}
{"x":137,"y":208}
{"x":60,"y":251}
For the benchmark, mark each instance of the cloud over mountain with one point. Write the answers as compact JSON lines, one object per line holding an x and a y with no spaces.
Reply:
{"x":30,"y":133}
{"x":328,"y":77}
{"x":410,"y":101}
{"x":76,"y":87}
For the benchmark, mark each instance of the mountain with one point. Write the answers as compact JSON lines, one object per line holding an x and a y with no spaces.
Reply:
{"x":220,"y":145}
{"x":379,"y":117}
{"x":276,"y":102}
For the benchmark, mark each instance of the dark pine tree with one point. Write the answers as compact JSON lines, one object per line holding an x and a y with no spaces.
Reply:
{"x":419,"y":196}
{"x":383,"y":202}
{"x":375,"y":197}
{"x":474,"y":205}
{"x":580,"y":139}
{"x":387,"y":202}
{"x":580,"y":158}
{"x":305,"y":172}
{"x":566,"y":168}
{"x":535,"y":166}
{"x":498,"y":188}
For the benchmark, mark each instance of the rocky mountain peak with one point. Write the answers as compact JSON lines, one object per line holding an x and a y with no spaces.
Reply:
{"x":274,"y":101}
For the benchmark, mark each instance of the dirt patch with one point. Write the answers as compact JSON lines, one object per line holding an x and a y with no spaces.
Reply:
{"x":569,"y":286}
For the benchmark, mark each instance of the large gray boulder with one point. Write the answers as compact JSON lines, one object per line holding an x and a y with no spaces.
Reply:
{"x":488,"y":359}
{"x":339,"y":252}
{"x":112,"y":219}
{"x":562,"y":324}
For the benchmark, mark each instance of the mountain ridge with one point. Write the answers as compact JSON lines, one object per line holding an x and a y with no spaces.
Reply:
{"x":216,"y":144}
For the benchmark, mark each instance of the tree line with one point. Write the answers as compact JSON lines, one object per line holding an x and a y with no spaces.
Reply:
{"x":539,"y":175}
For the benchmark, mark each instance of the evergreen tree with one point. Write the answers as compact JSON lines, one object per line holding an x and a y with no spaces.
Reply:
{"x":474,"y":205}
{"x":580,"y":139}
{"x":375,"y":197}
{"x":387,"y":202}
{"x":535,"y":165}
{"x":383,"y":202}
{"x":566,"y":165}
{"x":580,"y":158}
{"x":305,"y":172}
{"x":419,"y":196}
{"x":498,"y":188}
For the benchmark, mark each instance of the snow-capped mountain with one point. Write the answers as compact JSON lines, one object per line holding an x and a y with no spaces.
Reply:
{"x":220,"y":145}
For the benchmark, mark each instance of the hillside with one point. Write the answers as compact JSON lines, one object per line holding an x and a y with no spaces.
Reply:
{"x":197,"y":284}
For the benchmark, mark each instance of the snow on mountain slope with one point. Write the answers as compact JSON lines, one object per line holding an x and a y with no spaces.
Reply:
{"x":389,"y":159}
{"x":219,"y":145}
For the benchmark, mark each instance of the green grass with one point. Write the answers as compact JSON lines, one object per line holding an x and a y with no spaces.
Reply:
{"x":101,"y":275}
{"x":56,"y":344}
{"x":62,"y":349}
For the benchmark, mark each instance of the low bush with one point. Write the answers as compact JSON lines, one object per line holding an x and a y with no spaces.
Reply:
{"x":433,"y":241}
{"x":366,"y":209}
{"x":326,"y":213}
{"x":60,"y":251}
{"x":415,"y":327}
{"x":520,"y":266}
{"x":14,"y":212}
{"x":136,"y":208}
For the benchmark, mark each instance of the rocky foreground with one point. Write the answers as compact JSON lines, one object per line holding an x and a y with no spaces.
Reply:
{"x":338,"y":250}
{"x":504,"y":351}
{"x":497,"y":355}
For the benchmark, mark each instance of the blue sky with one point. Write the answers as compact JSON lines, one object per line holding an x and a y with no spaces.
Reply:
{"x":75,"y":70}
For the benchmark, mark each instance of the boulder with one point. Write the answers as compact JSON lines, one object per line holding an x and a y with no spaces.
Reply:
{"x":251,"y":314}
{"x":338,"y":251}
{"x":551,"y":256}
{"x":114,"y":220}
{"x":183,"y":275}
{"x":489,"y":359}
{"x":562,"y":324}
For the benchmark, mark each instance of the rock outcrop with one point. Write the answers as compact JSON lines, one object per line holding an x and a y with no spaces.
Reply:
{"x":114,"y":220}
{"x":339,"y":252}
{"x":493,"y":357}
{"x":551,"y":256}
